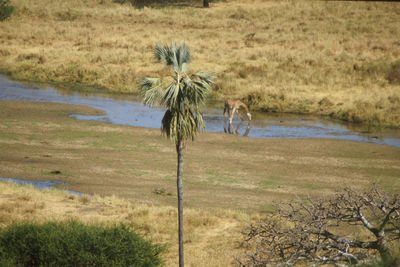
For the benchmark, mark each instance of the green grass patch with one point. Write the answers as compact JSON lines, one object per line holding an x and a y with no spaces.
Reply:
{"x":5,"y":9}
{"x":7,"y":136}
{"x":75,"y":244}
{"x":266,"y":184}
{"x":311,"y":186}
{"x":72,"y":134}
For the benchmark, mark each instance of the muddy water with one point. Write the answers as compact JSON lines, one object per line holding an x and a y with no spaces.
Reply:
{"x":129,"y":111}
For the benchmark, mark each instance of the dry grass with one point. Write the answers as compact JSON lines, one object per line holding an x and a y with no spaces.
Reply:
{"x":210,"y":236}
{"x":332,"y":58}
{"x":38,"y":141}
{"x":228,"y":180}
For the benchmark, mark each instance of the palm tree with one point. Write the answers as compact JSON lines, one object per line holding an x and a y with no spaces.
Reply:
{"x":182,"y":97}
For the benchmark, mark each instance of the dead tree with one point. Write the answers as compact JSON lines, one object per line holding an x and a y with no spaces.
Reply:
{"x":343,"y":229}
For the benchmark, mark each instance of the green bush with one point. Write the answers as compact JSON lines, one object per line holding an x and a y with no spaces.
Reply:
{"x":5,"y":9}
{"x":75,"y":244}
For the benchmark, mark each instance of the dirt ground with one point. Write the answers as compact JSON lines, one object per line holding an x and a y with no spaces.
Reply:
{"x":40,"y":142}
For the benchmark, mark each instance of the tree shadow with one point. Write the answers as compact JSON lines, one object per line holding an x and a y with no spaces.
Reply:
{"x":161,"y":4}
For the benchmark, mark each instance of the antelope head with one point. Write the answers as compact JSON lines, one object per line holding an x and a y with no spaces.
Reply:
{"x":249,"y":115}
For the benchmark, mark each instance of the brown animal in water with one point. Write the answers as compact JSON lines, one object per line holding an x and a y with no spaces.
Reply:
{"x":231,"y":108}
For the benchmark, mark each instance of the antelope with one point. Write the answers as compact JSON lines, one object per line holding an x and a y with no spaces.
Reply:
{"x":231,"y":108}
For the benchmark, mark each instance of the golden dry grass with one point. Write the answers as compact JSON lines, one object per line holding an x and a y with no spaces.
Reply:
{"x":210,"y":236}
{"x":325,"y":57}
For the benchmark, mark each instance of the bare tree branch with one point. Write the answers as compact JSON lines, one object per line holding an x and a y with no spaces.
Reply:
{"x":313,"y":231}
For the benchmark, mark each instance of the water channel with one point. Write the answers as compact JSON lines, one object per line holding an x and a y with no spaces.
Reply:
{"x":129,"y":111}
{"x":42,"y":184}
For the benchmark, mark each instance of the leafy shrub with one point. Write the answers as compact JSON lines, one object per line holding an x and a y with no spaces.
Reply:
{"x":5,"y":9}
{"x":75,"y":244}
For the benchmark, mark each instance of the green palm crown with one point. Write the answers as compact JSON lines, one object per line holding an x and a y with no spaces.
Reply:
{"x":182,"y":97}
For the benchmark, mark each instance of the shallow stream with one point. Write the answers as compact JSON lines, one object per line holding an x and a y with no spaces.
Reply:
{"x":129,"y":111}
{"x":42,"y":184}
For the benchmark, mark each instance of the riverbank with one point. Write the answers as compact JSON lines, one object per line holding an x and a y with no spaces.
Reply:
{"x":40,"y":142}
{"x":126,"y":110}
{"x":332,"y":58}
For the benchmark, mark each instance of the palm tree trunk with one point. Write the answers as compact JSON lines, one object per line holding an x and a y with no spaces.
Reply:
{"x":179,"y":151}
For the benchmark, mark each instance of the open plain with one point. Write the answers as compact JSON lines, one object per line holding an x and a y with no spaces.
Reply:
{"x":333,"y":58}
{"x":229,"y":181}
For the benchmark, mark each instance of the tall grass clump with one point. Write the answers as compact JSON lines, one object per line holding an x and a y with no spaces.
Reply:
{"x":75,"y":244}
{"x":5,"y":9}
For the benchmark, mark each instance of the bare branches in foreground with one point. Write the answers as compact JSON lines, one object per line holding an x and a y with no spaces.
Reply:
{"x":345,"y":228}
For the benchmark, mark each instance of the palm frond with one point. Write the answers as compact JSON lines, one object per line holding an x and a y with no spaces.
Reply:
{"x":199,"y":121}
{"x":197,"y":87}
{"x":182,"y":126}
{"x":166,"y":54}
{"x":205,"y":76}
{"x":183,"y":57}
{"x":182,"y":97}
{"x":176,"y":56}
{"x":150,"y":89}
{"x":170,"y":96}
{"x":166,"y":123}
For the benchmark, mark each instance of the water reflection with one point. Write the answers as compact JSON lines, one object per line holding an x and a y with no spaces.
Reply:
{"x":125,"y":110}
{"x":229,"y":129}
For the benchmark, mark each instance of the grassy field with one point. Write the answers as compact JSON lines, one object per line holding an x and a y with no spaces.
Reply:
{"x":339,"y":59}
{"x":210,"y":237}
{"x":223,"y":171}
{"x":229,"y":181}
{"x":335,"y":58}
